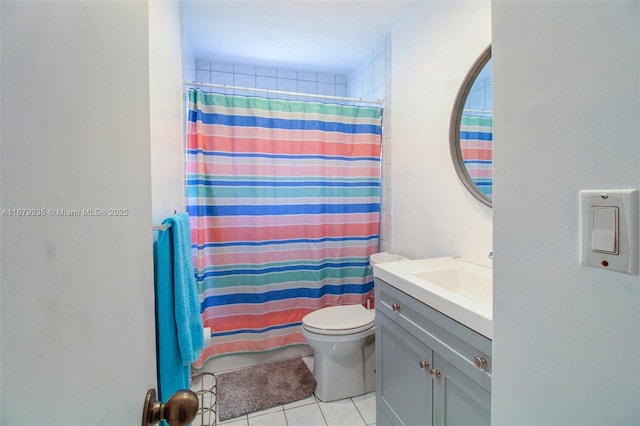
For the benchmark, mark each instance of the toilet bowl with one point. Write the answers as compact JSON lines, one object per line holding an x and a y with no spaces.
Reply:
{"x":342,"y":339}
{"x":343,"y":342}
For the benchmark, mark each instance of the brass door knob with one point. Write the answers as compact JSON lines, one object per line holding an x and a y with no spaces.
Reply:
{"x":395,"y":307}
{"x":179,"y":410}
{"x":479,"y":362}
{"x":424,"y":364}
{"x":435,"y":373}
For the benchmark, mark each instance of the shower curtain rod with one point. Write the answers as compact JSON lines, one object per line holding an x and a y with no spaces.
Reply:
{"x":281,"y":92}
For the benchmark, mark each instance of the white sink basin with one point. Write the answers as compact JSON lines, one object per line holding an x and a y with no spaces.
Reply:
{"x":467,"y":283}
{"x":459,"y":289}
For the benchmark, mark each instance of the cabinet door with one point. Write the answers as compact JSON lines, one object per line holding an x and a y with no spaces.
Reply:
{"x":457,"y":399}
{"x":403,"y":384}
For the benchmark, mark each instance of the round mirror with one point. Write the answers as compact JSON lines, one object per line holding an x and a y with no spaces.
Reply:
{"x":471,"y":130}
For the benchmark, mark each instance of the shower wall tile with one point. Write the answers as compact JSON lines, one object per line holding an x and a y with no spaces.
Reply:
{"x":266,"y":72}
{"x":203,"y":76}
{"x":379,"y":71}
{"x":387,"y":72}
{"x":368,"y":83}
{"x":388,"y":137}
{"x":371,"y":79}
{"x":203,"y":65}
{"x":355,"y":88}
{"x":285,"y":73}
{"x":270,"y":83}
{"x":244,"y":69}
{"x":368,"y":59}
{"x":357,"y":71}
{"x":287,"y":85}
{"x":378,"y":93}
{"x":307,"y":86}
{"x":307,"y":76}
{"x":244,"y":80}
{"x":189,"y":74}
{"x":383,"y":225}
{"x":270,"y":78}
{"x":328,"y":89}
{"x":368,"y":78}
{"x":326,"y":78}
{"x":380,"y":50}
{"x":222,"y":77}
{"x":217,"y":66}
{"x":387,"y":50}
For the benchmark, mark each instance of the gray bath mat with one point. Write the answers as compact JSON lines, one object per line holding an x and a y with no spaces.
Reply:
{"x":263,"y":386}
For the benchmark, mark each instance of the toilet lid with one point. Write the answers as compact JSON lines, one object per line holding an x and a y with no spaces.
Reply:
{"x":344,"y":319}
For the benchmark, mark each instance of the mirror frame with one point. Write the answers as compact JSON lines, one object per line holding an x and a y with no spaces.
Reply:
{"x":454,"y":127}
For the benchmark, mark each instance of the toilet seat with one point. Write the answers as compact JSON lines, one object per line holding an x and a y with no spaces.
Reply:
{"x":337,"y":320}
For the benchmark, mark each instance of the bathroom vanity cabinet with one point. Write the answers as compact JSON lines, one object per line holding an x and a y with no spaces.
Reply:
{"x":430,"y":369}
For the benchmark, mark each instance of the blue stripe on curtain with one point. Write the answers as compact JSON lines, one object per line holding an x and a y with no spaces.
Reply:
{"x":249,"y":210}
{"x":285,"y":294}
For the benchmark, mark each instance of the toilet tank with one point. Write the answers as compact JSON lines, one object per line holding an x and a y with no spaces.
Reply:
{"x":377,"y":258}
{"x":384,"y":257}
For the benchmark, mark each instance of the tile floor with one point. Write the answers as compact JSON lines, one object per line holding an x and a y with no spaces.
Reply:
{"x":356,"y":411}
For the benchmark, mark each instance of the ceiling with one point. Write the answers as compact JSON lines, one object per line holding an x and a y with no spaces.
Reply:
{"x":329,"y":36}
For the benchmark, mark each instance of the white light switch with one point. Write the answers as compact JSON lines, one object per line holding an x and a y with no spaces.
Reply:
{"x":604,"y":229}
{"x":609,"y":229}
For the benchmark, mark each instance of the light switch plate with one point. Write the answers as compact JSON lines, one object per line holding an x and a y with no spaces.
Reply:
{"x":626,"y":200}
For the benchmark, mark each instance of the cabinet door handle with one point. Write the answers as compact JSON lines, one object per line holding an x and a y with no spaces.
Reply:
{"x":395,"y":307}
{"x":424,"y":364}
{"x":435,"y":373}
{"x":480,"y":362}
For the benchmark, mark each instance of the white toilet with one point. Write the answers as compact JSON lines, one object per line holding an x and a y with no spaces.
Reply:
{"x":343,"y":342}
{"x":342,"y":339}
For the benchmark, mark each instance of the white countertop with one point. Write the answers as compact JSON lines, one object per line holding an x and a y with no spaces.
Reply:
{"x":459,"y":289}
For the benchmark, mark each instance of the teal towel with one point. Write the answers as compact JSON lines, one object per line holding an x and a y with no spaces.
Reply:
{"x":179,"y":326}
{"x":172,"y":375}
{"x":187,"y":304}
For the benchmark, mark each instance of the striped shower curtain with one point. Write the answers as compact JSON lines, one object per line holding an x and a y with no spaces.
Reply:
{"x":476,"y":144}
{"x":284,"y":199}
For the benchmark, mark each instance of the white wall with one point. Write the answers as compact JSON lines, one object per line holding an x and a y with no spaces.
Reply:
{"x":77,"y":340}
{"x":432,"y":48}
{"x":188,"y":55}
{"x":567,"y":102}
{"x":167,"y":109}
